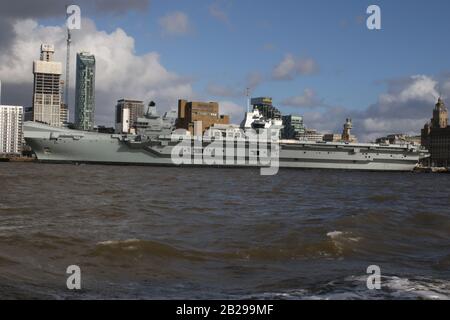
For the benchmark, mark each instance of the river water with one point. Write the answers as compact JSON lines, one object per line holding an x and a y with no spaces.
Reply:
{"x":173,"y":233}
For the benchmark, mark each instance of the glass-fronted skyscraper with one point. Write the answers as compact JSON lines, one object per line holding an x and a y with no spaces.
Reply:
{"x":293,"y":127}
{"x":85,"y":92}
{"x":266,"y":108}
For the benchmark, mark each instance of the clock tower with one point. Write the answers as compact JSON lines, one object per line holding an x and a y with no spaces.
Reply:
{"x":440,"y":115}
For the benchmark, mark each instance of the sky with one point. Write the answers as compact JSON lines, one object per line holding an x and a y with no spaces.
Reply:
{"x":315,"y":58}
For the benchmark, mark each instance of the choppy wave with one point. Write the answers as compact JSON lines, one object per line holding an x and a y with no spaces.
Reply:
{"x":119,"y":249}
{"x":343,"y":241}
{"x":337,"y":244}
{"x":286,"y":235}
{"x":354,"y":288}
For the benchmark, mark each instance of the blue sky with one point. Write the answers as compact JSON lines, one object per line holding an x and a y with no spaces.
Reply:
{"x":223,"y":42}
{"x":352,"y":59}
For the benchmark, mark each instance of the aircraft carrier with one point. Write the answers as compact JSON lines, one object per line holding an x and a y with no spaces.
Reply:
{"x":155,"y":144}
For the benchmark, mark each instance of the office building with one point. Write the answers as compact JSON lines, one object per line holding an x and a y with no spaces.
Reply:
{"x":206,"y":112}
{"x":311,"y":135}
{"x":11,"y":130}
{"x":293,"y":127}
{"x":265,"y":107}
{"x":85,"y":92}
{"x":64,"y":114}
{"x":332,"y":137}
{"x":127,"y":113}
{"x":47,"y":88}
{"x":400,"y":139}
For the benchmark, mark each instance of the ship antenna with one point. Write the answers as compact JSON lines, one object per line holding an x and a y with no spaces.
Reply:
{"x":248,"y":99}
{"x":69,"y":41}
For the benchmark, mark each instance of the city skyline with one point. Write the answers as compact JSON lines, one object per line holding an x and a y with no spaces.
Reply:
{"x":166,"y":47}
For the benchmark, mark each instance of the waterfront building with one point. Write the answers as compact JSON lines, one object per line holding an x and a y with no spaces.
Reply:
{"x":206,"y":112}
{"x":311,"y":135}
{"x":346,"y":135}
{"x":436,"y":136}
{"x":293,"y":127}
{"x":11,"y":129}
{"x":265,"y":107}
{"x":400,"y":139}
{"x":85,"y":92}
{"x":64,"y":114}
{"x":47,"y":88}
{"x":128,"y":111}
{"x":332,"y":137}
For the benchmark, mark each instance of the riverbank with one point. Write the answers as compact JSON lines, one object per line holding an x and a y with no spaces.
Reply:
{"x":17,"y":159}
{"x":432,"y":170}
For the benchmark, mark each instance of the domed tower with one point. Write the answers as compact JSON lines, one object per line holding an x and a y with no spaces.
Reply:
{"x":346,"y":133}
{"x":440,"y":115}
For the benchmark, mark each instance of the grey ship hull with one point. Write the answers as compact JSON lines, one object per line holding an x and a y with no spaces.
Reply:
{"x":59,"y":145}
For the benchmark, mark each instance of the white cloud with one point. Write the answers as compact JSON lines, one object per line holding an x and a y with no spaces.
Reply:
{"x":119,"y":71}
{"x":291,"y":66}
{"x":235,"y":111}
{"x":175,"y":23}
{"x":419,"y":87}
{"x":373,"y":128}
{"x":446,"y":87}
{"x":308,"y":99}
{"x":405,"y":107}
{"x":326,"y":122}
{"x":406,"y":98}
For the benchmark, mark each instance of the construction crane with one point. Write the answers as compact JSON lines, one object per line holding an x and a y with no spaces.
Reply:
{"x":69,"y":42}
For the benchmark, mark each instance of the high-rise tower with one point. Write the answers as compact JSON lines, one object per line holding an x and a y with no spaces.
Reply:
{"x":47,"y":87}
{"x":11,"y":129}
{"x":69,"y":41}
{"x":440,"y":115}
{"x":85,"y":92}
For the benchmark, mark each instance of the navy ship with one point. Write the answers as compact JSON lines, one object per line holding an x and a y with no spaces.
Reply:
{"x":157,"y":143}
